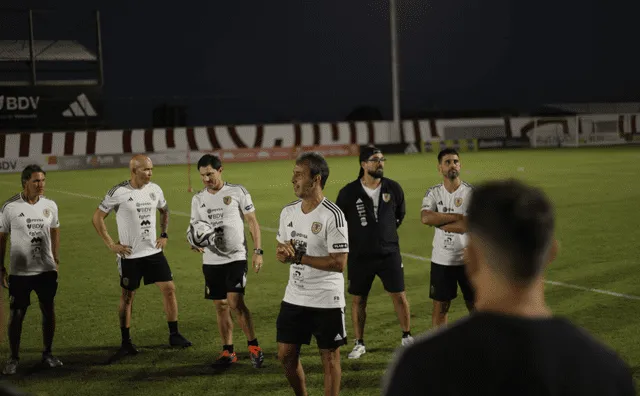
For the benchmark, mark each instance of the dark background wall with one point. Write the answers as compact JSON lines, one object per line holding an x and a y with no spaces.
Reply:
{"x":264,"y":61}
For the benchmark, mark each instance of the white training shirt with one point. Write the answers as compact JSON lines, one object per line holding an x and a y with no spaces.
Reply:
{"x":319,"y":232}
{"x":224,"y":210}
{"x":374,"y":194}
{"x":135,"y":215}
{"x":448,"y":247}
{"x":30,"y":229}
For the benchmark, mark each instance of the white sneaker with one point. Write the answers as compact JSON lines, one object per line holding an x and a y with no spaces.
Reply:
{"x":51,"y":361}
{"x":357,"y":351}
{"x":11,"y":367}
{"x":407,"y":340}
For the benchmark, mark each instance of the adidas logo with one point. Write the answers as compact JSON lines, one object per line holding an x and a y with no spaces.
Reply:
{"x":130,"y":198}
{"x":81,"y":107}
{"x":239,"y":285}
{"x":411,"y":149}
{"x":21,"y":215}
{"x":290,"y":224}
{"x":203,"y":206}
{"x":440,"y":203}
{"x":338,"y":338}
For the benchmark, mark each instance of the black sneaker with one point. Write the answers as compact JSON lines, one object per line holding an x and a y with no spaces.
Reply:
{"x":128,"y":348}
{"x":178,"y":340}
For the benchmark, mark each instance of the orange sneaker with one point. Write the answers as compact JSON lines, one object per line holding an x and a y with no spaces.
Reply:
{"x":225,"y":359}
{"x":256,"y":356}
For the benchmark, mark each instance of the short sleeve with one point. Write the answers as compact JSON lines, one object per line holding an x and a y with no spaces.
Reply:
{"x":195,"y":214}
{"x":429,"y":201}
{"x":5,"y":222}
{"x":337,"y":233}
{"x":55,"y":220}
{"x":282,"y":231}
{"x":109,"y":202}
{"x":162,"y":203}
{"x":246,"y":204}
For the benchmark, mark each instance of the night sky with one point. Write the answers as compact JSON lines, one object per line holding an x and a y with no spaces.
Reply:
{"x":264,"y":61}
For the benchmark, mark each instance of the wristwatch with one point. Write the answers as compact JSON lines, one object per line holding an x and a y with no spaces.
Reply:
{"x":164,"y":235}
{"x":259,"y":252}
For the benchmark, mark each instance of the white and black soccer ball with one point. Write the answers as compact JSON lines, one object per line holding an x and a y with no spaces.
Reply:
{"x":200,"y":234}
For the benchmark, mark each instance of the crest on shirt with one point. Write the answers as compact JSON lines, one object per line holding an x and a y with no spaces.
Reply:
{"x":226,"y":200}
{"x":152,"y":196}
{"x":458,"y":202}
{"x":316,"y":227}
{"x":386,"y":197}
{"x":46,"y":212}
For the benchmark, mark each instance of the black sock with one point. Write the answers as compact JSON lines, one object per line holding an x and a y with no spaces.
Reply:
{"x":406,"y":334}
{"x":360,"y":341}
{"x":173,"y":327}
{"x":253,"y":342}
{"x":126,"y":337}
{"x":228,"y":348}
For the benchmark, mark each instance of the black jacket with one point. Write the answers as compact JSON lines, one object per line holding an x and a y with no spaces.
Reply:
{"x":368,"y":237}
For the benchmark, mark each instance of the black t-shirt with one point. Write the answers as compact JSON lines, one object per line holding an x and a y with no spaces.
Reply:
{"x":492,"y":354}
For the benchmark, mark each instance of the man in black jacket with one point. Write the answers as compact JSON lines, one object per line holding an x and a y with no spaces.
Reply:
{"x":374,"y":208}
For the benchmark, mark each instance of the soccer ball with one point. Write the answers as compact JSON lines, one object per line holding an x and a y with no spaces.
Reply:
{"x":226,"y":241}
{"x":200,"y":234}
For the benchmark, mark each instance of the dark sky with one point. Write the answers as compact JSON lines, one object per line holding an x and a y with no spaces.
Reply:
{"x":260,"y":61}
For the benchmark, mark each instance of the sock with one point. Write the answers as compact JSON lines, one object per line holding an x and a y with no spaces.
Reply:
{"x":228,"y":348}
{"x":173,"y":327}
{"x":126,"y":337}
{"x":253,"y":342}
{"x":360,"y":341}
{"x":406,"y":334}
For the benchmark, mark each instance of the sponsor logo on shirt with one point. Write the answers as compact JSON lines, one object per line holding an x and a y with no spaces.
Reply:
{"x":298,"y":234}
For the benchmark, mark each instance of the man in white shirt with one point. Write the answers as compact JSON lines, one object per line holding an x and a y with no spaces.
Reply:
{"x":444,"y":206}
{"x":313,"y":238}
{"x":226,"y":207}
{"x":139,"y":253}
{"x":32,"y":221}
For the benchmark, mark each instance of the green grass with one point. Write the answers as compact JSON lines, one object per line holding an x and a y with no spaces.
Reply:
{"x":596,"y":193}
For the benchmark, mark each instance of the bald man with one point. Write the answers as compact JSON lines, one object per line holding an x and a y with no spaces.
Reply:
{"x":139,"y":253}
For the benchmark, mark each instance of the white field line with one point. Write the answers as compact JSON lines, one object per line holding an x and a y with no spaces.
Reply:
{"x":408,"y":255}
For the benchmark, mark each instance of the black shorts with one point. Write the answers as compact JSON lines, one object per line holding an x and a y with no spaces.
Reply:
{"x":445,"y":280}
{"x":225,"y":278}
{"x":296,"y":324}
{"x":153,"y":268}
{"x":389,"y":269}
{"x":20,"y":287}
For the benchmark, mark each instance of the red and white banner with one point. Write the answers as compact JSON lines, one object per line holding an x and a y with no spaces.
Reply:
{"x":202,"y":138}
{"x":584,"y":128}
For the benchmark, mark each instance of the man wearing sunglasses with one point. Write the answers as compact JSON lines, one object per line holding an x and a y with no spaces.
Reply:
{"x":374,"y":208}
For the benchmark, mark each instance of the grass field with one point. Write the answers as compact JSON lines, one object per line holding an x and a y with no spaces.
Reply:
{"x":596,"y":193}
